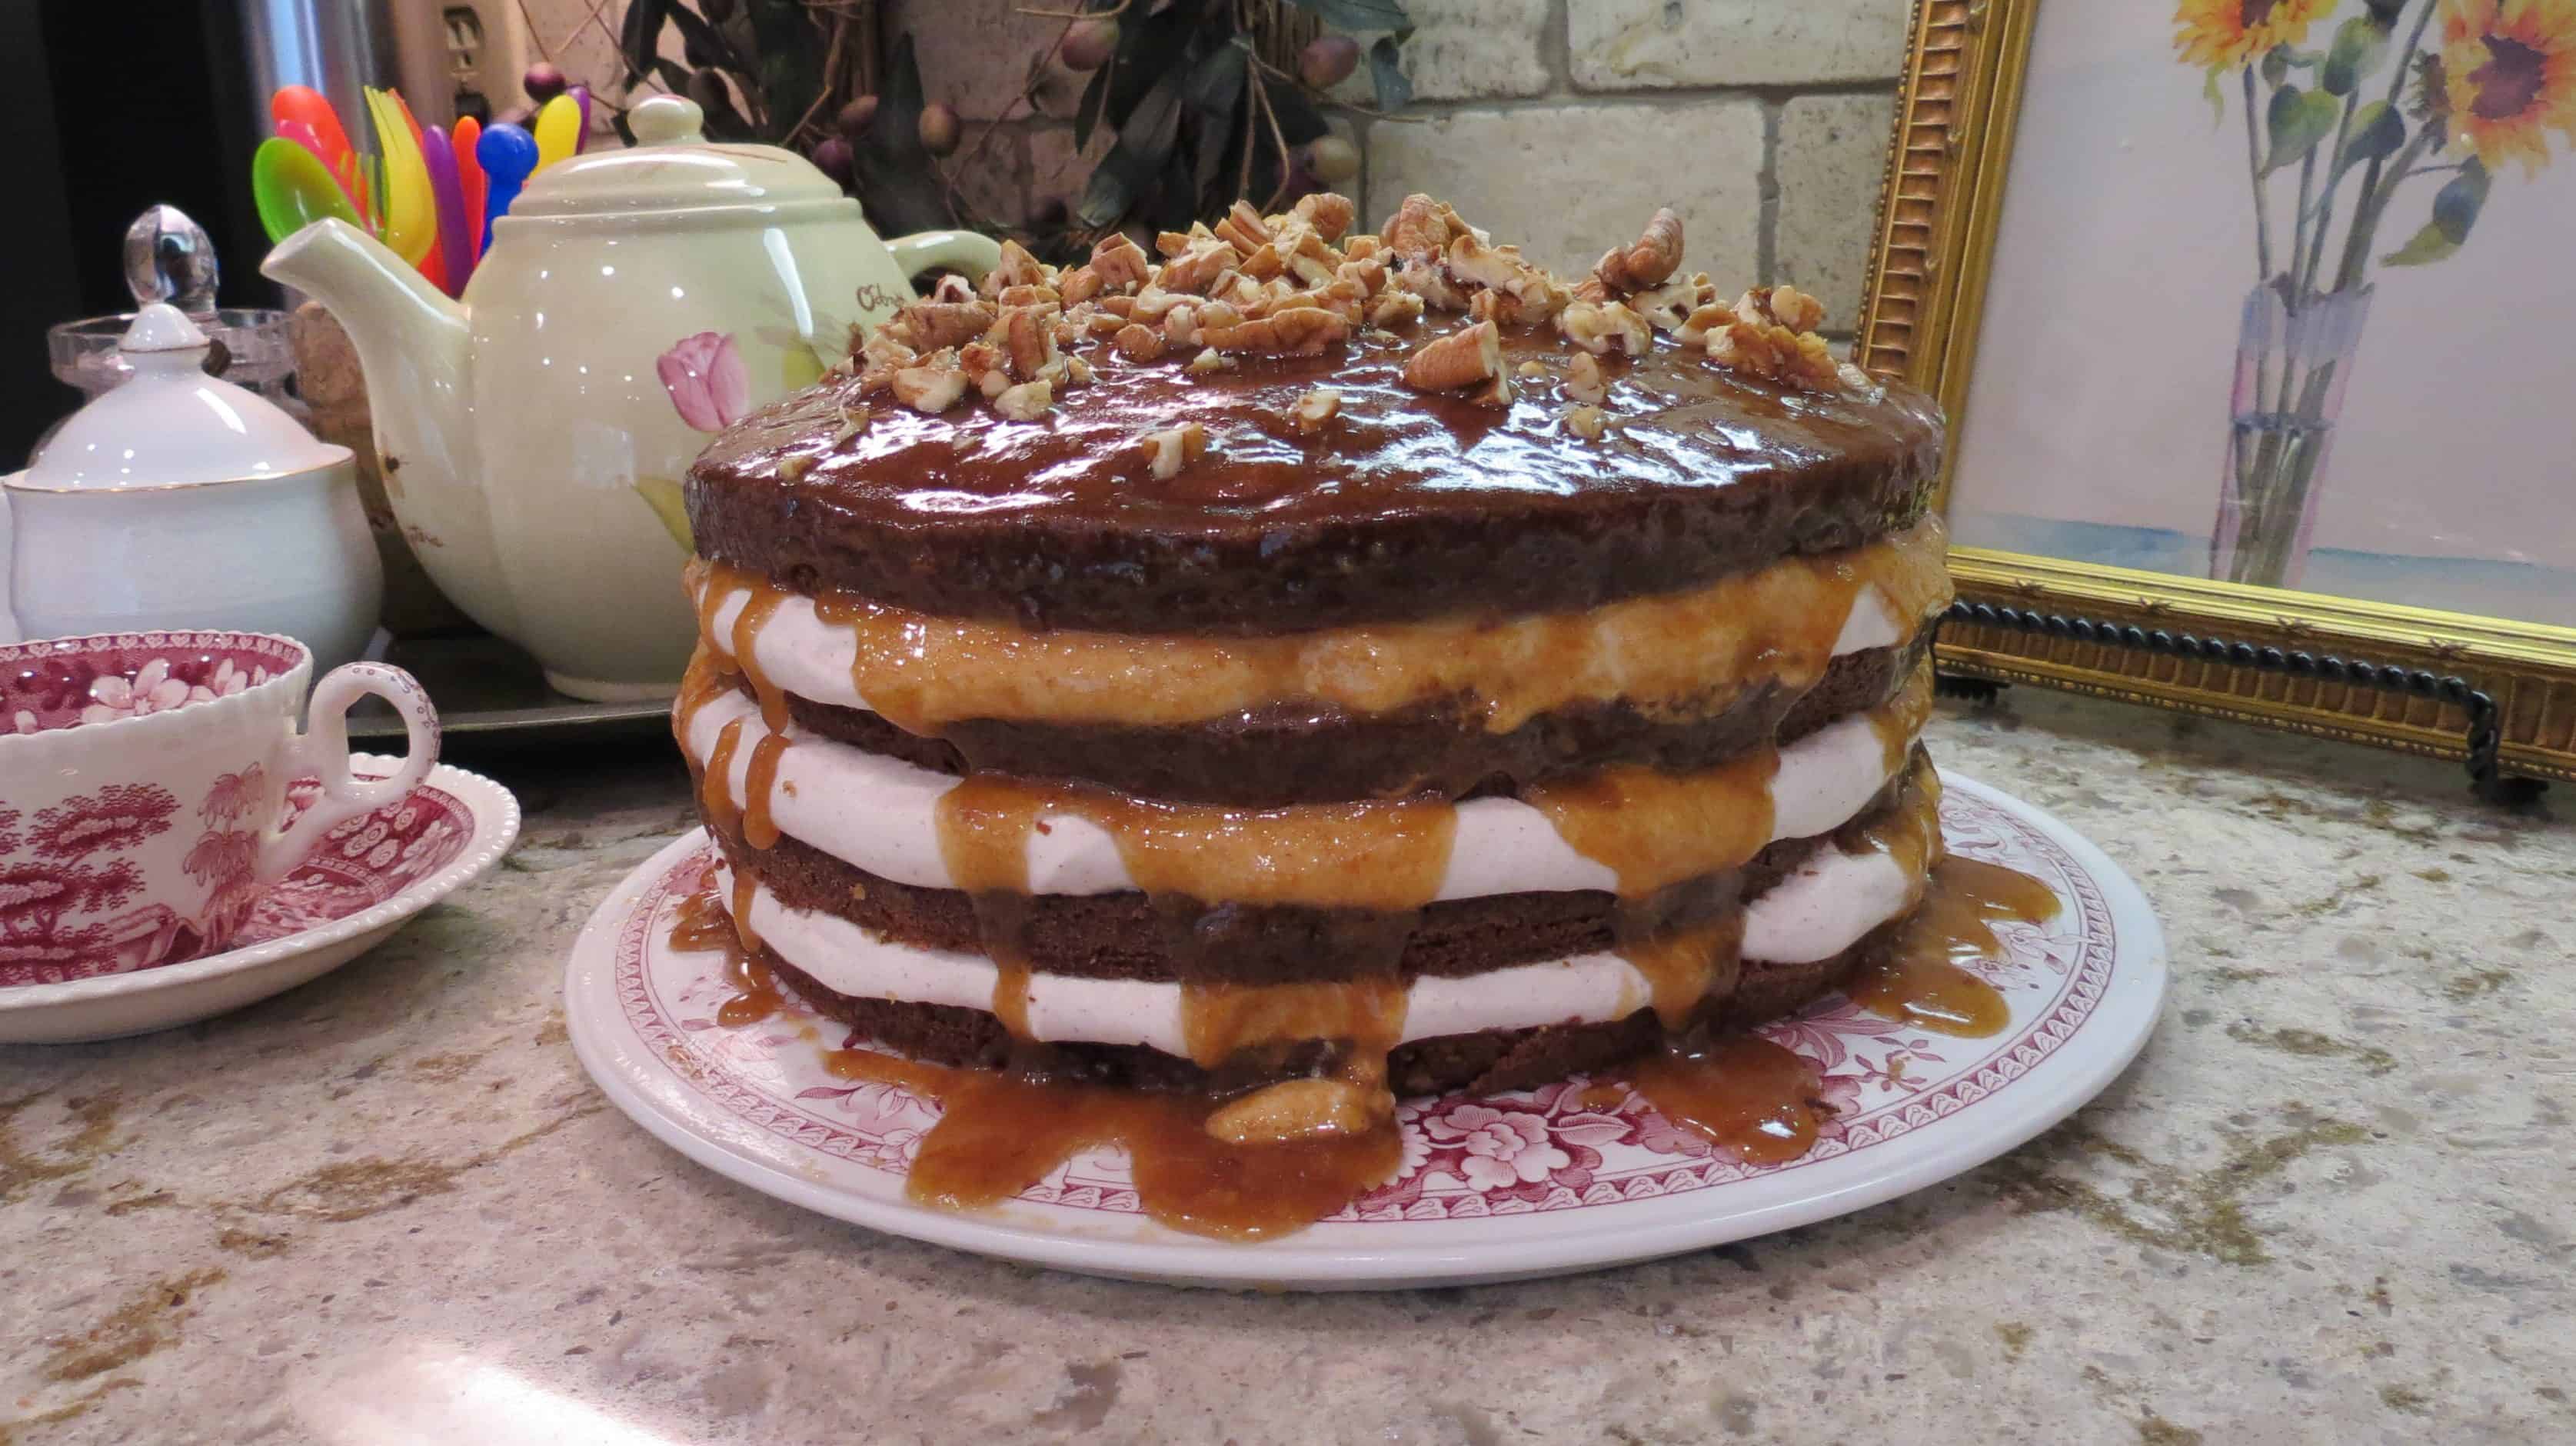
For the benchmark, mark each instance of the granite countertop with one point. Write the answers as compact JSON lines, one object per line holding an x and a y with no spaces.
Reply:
{"x":2331,"y":1201}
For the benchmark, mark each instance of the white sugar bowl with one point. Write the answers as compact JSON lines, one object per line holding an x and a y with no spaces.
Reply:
{"x":179,"y":500}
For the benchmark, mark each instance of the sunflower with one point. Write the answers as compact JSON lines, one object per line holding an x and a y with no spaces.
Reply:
{"x":2224,"y":34}
{"x":2509,"y":69}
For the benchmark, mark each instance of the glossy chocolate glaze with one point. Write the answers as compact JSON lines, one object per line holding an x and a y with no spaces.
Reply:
{"x":1405,"y":506}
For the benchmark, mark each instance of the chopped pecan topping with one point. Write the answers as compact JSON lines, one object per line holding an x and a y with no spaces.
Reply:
{"x":854,"y":420}
{"x":1196,"y":270}
{"x":1657,"y":254}
{"x":1210,"y":360}
{"x":1421,"y":229}
{"x":1016,"y":268}
{"x":1172,"y":448}
{"x":1031,"y":296}
{"x":1028,"y":337}
{"x":1769,"y":332}
{"x":1605,"y":326}
{"x":1524,"y":293}
{"x":934,"y":386}
{"x":1288,"y":331}
{"x":1119,"y":263}
{"x":953,"y":287}
{"x":1587,"y":422}
{"x":1329,"y":214}
{"x":1394,"y":308}
{"x":931,"y":325}
{"x":1586,"y":381}
{"x":1026,"y":402}
{"x":1139,"y":342}
{"x":1669,"y":307}
{"x":1077,"y":285}
{"x":1317,"y":408}
{"x":1465,"y":358}
{"x":1243,"y":227}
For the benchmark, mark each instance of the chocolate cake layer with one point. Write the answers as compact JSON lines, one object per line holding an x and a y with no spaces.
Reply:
{"x":1277,"y":757}
{"x":1410,"y":505}
{"x":1495,"y":1060}
{"x":1132,"y":935}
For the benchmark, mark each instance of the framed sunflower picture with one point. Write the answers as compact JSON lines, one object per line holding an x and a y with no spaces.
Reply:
{"x":2253,"y":320}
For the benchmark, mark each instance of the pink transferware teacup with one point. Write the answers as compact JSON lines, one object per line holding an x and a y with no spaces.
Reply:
{"x":143,"y":789}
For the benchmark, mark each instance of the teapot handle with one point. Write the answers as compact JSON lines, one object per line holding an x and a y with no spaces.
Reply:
{"x":963,"y":251}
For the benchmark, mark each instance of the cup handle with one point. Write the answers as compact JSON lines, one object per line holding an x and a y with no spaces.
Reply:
{"x":323,"y":748}
{"x":965,"y":251}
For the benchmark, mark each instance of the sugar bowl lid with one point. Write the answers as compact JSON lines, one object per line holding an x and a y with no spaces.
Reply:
{"x":172,"y":425}
{"x":671,"y":167}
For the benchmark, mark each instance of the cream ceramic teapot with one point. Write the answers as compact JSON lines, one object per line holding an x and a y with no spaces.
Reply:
{"x":632,"y":303}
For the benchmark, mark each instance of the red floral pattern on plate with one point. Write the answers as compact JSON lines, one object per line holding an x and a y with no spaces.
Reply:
{"x":357,"y":865}
{"x":1558,"y":1147}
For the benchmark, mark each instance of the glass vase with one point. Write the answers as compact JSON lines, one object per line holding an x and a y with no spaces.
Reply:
{"x":2292,"y":362}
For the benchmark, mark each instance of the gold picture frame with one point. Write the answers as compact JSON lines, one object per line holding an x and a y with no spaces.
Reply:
{"x":1940,"y":208}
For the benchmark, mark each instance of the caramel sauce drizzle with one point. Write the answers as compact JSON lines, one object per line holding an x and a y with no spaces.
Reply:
{"x":1377,"y":855}
{"x":760,"y":787}
{"x":1668,"y":652}
{"x":1919,"y":978}
{"x":1742,"y":1093}
{"x":1655,"y":829}
{"x":1916,"y":975}
{"x":1684,"y":966}
{"x":715,"y":783}
{"x":702,"y":926}
{"x":998,"y":1134}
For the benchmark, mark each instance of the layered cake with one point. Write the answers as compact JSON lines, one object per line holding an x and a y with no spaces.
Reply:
{"x":1306,"y":666}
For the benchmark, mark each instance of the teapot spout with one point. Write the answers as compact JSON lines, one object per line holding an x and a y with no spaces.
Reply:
{"x":417,"y":351}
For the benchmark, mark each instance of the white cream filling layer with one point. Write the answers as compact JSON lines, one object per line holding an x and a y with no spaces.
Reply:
{"x":880,"y":814}
{"x":1819,"y":911}
{"x":811,"y":658}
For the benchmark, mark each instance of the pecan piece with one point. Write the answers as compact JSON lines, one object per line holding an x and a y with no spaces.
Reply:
{"x":1026,"y":402}
{"x":1657,"y":254}
{"x":1605,"y":326}
{"x":1243,"y":227}
{"x":1169,"y":450}
{"x":1016,"y":268}
{"x":1289,"y":331}
{"x":1138,"y":342}
{"x":1316,"y":408}
{"x":932,"y":387}
{"x":1119,"y":263}
{"x":931,"y":325}
{"x":1462,"y":359}
{"x":1329,"y":214}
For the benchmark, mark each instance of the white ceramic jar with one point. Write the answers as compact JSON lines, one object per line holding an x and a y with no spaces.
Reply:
{"x":179,"y":500}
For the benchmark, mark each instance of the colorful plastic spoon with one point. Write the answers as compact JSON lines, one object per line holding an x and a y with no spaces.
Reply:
{"x":509,"y":155}
{"x":558,"y":126}
{"x":469,"y":186}
{"x":433,"y":267}
{"x":306,"y":107}
{"x":455,"y":253}
{"x":411,"y":224}
{"x":292,"y":190}
{"x":581,"y":136}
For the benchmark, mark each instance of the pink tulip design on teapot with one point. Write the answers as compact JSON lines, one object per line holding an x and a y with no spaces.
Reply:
{"x":711,"y":391}
{"x":705,"y":377}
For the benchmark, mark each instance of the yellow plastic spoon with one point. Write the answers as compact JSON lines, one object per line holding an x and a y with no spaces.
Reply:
{"x":411,"y":217}
{"x":558,"y":129}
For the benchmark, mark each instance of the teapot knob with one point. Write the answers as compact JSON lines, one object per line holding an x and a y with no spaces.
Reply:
{"x":666,"y":119}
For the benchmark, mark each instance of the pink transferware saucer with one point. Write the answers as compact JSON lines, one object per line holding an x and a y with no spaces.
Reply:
{"x":361,"y":882}
{"x":1500,"y":1187}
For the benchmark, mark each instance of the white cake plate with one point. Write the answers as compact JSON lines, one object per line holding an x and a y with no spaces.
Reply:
{"x":1505,"y":1187}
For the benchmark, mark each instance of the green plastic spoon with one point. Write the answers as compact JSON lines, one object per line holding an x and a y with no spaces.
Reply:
{"x":292,"y":190}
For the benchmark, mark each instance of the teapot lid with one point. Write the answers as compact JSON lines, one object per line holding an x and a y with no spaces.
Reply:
{"x":172,"y":425}
{"x":671,"y":167}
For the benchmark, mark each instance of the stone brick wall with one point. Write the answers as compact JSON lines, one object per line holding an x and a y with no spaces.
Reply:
{"x":1559,"y":124}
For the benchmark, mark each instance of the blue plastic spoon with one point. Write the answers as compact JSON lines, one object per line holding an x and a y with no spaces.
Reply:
{"x":507,"y":154}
